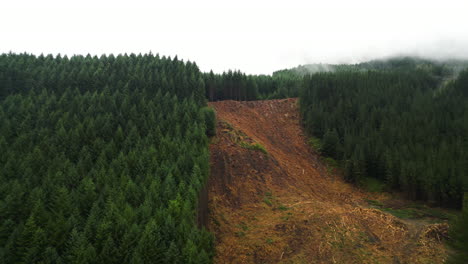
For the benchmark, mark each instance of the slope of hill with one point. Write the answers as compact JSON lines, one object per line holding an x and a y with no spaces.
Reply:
{"x":272,"y":200}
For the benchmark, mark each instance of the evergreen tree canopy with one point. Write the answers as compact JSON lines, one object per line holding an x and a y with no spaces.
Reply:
{"x":96,"y":157}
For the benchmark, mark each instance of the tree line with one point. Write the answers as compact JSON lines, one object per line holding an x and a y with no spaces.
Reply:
{"x":235,"y":85}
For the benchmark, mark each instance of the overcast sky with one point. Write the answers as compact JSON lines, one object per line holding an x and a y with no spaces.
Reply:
{"x":256,"y":37}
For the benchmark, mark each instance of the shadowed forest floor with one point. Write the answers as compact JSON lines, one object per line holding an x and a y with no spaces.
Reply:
{"x":272,"y":199}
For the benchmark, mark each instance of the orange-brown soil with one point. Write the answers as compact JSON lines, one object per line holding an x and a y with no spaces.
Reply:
{"x":285,"y":206}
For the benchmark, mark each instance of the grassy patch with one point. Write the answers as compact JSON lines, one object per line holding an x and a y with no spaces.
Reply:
{"x":243,"y":226}
{"x":414,"y":211}
{"x":331,"y":164}
{"x":405,"y":213}
{"x":286,"y":217}
{"x":267,"y":201}
{"x":255,"y":146}
{"x":226,"y":125}
{"x":440,"y":213}
{"x":269,"y":241}
{"x":240,"y":138}
{"x":282,"y":208}
{"x":374,"y":203}
{"x":315,"y":143}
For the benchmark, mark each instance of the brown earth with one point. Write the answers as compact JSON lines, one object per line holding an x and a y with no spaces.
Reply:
{"x":285,"y":206}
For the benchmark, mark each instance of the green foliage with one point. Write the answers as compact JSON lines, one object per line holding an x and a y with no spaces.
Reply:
{"x":406,"y":213}
{"x":255,"y":146}
{"x":243,"y":226}
{"x":209,"y":115}
{"x":102,"y":159}
{"x":329,"y":146}
{"x":415,"y":210}
{"x":267,"y":201}
{"x":331,"y":164}
{"x":372,"y":184}
{"x":315,"y":143}
{"x":267,"y":198}
{"x":459,"y":234}
{"x":387,"y":125}
{"x":374,"y":203}
{"x":235,"y":85}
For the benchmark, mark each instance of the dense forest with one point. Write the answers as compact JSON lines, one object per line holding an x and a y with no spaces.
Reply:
{"x":102,"y":159}
{"x":401,"y":127}
{"x":459,"y":234}
{"x":400,"y":63}
{"x":406,"y":127}
{"x":235,"y":85}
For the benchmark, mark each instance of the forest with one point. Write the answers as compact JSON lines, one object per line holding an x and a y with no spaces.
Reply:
{"x":102,"y":159}
{"x":424,"y":155}
{"x":235,"y":85}
{"x":405,"y":126}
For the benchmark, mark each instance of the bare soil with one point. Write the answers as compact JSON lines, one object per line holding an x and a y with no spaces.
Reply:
{"x":284,"y":206}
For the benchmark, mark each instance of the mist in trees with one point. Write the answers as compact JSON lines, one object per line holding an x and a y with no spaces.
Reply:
{"x":401,"y":127}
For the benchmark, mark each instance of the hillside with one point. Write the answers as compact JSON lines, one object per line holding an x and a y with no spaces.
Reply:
{"x":273,"y":200}
{"x":439,"y":67}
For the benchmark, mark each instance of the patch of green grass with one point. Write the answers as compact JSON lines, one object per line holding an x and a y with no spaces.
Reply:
{"x":255,"y":146}
{"x":269,"y":241}
{"x":372,"y":184}
{"x":414,"y":211}
{"x":243,"y":226}
{"x":268,"y":198}
{"x":228,"y":125}
{"x":283,"y":208}
{"x":405,"y":213}
{"x":439,"y":213}
{"x":315,"y":143}
{"x":426,"y":211}
{"x":331,"y":162}
{"x":374,"y":203}
{"x":267,"y":201}
{"x":286,"y":217}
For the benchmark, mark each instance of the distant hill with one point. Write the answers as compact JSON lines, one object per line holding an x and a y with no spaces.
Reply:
{"x":404,"y":63}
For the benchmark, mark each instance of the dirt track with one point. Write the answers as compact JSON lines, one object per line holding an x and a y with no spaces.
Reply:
{"x":286,"y":207}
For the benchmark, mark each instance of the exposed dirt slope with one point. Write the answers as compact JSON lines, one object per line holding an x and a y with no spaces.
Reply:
{"x":284,"y":207}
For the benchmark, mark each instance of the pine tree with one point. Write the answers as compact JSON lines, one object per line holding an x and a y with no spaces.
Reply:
{"x":459,"y":234}
{"x":330,"y":144}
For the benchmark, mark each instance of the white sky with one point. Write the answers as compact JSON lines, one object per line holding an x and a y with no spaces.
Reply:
{"x":253,"y":36}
